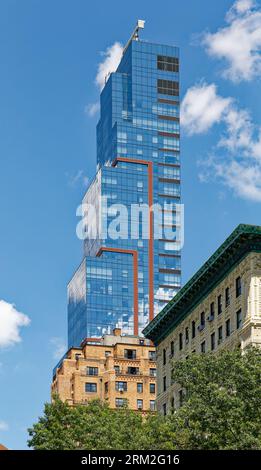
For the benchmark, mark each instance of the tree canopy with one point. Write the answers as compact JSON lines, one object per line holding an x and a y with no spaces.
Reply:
{"x":92,"y":426}
{"x":221,"y":409}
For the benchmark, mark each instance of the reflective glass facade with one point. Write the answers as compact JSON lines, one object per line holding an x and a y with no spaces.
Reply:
{"x":125,"y":280}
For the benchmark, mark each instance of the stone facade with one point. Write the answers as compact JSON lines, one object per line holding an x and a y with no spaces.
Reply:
{"x":237,"y":325}
{"x":118,"y":369}
{"x":220,"y":307}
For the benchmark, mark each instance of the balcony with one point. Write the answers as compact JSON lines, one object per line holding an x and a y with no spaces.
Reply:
{"x":153,"y":374}
{"x":85,"y":374}
{"x":124,"y":358}
{"x":129,"y":373}
{"x":125,"y":373}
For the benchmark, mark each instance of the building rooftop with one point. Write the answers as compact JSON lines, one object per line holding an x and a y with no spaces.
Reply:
{"x":244,"y":239}
{"x":107,"y":340}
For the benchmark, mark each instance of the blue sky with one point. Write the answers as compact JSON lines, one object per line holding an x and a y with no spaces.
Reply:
{"x":49,"y":54}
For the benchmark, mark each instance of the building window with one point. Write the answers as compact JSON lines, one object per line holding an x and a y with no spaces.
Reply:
{"x":90,"y":387}
{"x":193,"y":329}
{"x":121,"y":386}
{"x":106,"y":387}
{"x":168,"y":87}
{"x":153,"y":372}
{"x":203,"y":347}
{"x":227,"y":296}
{"x":212,"y":311}
{"x":139,"y":404}
{"x":212,"y":341}
{"x":117,"y":369}
{"x":164,"y":409}
{"x":152,"y":388}
{"x":219,"y":304}
{"x":202,"y":321}
{"x":220,"y":334}
{"x":164,"y":356}
{"x":187,"y":334}
{"x":120,"y":402}
{"x":130,"y":353}
{"x":133,"y":371}
{"x":172,"y":348}
{"x":239,"y":318}
{"x":152,"y":405}
{"x":169,"y":64}
{"x":164,"y":383}
{"x":238,"y":286}
{"x":139,"y":184}
{"x":91,"y":370}
{"x":152,"y":355}
{"x":228,"y":330}
{"x":140,"y":387}
{"x":122,"y":136}
{"x":180,"y":341}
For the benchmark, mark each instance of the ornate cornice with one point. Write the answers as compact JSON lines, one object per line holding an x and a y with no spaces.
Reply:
{"x":243,"y":240}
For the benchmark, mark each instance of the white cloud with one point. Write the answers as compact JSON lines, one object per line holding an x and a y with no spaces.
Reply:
{"x":112,"y":57}
{"x":92,"y":109}
{"x":59,"y":347}
{"x":240,"y":169}
{"x":239,"y":131}
{"x":77,"y":178}
{"x":237,"y":156}
{"x":10,"y":323}
{"x":242,"y":177}
{"x":238,"y":43}
{"x":242,"y":137}
{"x":3,"y":426}
{"x":202,"y":107}
{"x":240,"y":7}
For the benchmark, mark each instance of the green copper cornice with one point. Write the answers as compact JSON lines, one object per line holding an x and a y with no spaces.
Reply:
{"x":243,"y":240}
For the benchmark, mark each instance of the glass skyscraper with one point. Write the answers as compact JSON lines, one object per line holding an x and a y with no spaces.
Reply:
{"x":131,"y":269}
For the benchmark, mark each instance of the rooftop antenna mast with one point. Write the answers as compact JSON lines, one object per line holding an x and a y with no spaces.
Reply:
{"x":135,"y":35}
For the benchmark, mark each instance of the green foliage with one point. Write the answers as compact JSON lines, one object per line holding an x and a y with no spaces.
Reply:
{"x":221,"y":410}
{"x":92,"y":426}
{"x":222,"y":403}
